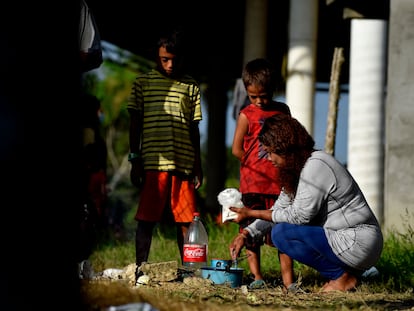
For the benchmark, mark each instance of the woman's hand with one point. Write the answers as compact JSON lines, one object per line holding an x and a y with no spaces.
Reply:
{"x":237,"y":245}
{"x":242,"y":213}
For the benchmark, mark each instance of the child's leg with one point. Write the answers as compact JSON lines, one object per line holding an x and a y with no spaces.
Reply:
{"x":181,"y":232}
{"x":286,"y":269}
{"x":253,"y":259}
{"x":143,"y":239}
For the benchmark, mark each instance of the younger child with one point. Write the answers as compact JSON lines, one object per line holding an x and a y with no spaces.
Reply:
{"x":258,"y":177}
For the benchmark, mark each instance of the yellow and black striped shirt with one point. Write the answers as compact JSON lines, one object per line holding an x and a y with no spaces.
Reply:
{"x":169,"y":107}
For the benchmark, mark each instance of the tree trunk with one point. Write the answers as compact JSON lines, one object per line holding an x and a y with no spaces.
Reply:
{"x":334,"y":90}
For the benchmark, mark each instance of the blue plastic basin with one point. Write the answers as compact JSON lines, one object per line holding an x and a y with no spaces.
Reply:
{"x":232,"y":276}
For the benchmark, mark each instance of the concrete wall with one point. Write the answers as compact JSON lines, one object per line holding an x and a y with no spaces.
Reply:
{"x":399,"y":119}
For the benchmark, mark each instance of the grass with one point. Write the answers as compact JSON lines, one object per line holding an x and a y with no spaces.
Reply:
{"x":395,"y":265}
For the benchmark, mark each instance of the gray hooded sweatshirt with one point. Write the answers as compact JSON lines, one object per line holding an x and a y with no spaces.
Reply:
{"x":328,"y":196}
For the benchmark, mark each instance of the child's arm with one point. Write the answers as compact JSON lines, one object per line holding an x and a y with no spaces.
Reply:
{"x":241,"y":130}
{"x":197,"y":170}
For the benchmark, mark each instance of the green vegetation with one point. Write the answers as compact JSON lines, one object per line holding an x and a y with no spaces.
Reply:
{"x":395,"y":265}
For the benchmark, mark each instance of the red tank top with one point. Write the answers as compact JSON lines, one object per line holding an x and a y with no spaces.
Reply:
{"x":257,"y":174}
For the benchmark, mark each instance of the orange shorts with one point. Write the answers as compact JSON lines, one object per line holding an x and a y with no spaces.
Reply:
{"x":163,"y":189}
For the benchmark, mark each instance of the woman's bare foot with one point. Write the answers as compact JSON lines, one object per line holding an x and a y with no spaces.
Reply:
{"x":344,"y":283}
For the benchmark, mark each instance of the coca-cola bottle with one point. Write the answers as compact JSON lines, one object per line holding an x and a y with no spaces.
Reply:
{"x":195,"y":245}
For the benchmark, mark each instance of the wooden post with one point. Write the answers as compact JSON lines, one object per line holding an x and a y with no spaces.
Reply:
{"x":334,"y":91}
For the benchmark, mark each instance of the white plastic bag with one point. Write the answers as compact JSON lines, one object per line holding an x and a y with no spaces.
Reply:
{"x":230,"y":197}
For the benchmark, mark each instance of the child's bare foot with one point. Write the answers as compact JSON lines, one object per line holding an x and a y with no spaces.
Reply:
{"x":344,"y":283}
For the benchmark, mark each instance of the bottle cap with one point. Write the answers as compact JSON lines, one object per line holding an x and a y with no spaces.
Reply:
{"x":196,"y":214}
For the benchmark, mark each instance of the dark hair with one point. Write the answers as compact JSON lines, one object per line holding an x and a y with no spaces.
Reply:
{"x":173,"y":41}
{"x":287,"y":137}
{"x":260,"y":72}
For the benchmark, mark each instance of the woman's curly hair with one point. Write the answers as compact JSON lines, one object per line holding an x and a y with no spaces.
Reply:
{"x":287,"y":137}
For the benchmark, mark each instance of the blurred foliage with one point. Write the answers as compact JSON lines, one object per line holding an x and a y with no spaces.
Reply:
{"x":111,"y":83}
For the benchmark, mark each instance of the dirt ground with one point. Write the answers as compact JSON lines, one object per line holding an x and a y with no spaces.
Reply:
{"x":165,"y":290}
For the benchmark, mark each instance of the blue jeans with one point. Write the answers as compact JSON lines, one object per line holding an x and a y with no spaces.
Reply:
{"x":308,"y":245}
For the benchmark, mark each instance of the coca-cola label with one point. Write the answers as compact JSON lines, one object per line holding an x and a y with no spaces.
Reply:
{"x":195,"y":253}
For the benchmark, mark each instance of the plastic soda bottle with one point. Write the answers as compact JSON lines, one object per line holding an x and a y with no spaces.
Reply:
{"x":195,"y":245}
